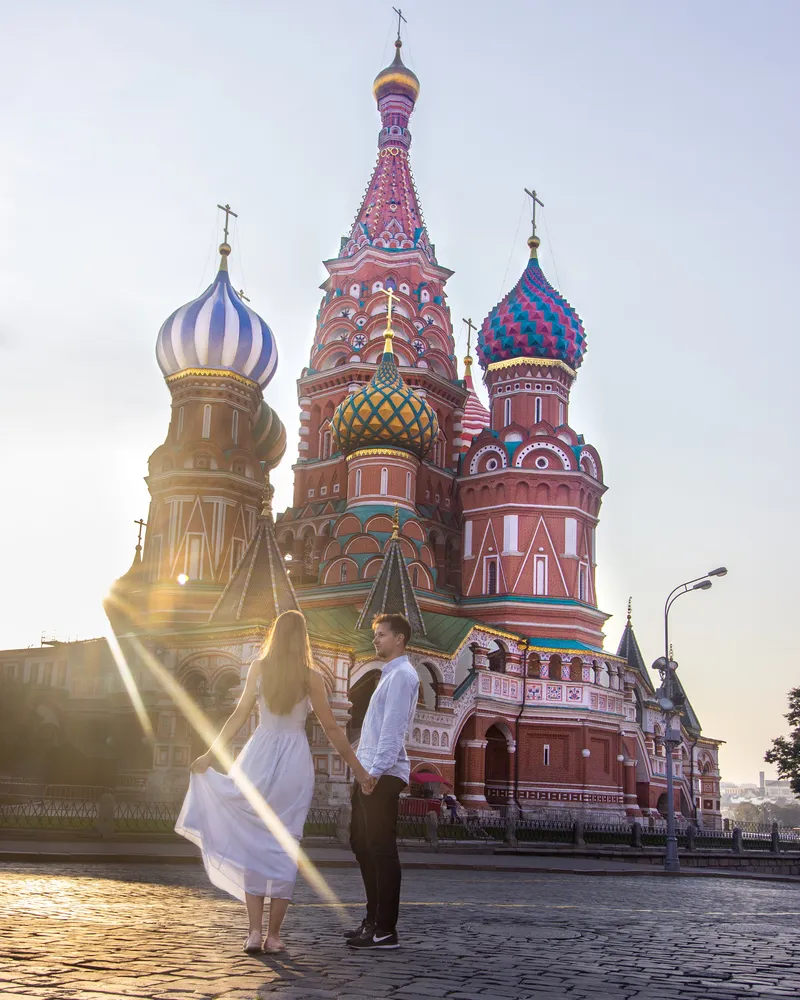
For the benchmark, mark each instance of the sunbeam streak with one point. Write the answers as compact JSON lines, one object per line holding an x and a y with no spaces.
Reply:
{"x":129,"y":682}
{"x":203,"y":727}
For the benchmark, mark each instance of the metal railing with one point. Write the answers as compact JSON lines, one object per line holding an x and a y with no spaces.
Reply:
{"x":66,"y":813}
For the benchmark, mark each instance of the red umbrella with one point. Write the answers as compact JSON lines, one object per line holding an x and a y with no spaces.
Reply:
{"x":421,"y":777}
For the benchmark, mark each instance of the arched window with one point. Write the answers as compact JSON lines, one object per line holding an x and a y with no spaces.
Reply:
{"x":540,"y":575}
{"x":537,"y":409}
{"x":180,"y":421}
{"x":506,"y":412}
{"x":384,"y":482}
{"x":441,"y":451}
{"x":207,"y":421}
{"x":491,"y":577}
{"x":561,"y":413}
{"x":358,"y":483}
{"x":583,"y":582}
{"x":428,"y":687}
{"x":325,"y":442}
{"x":408,"y":486}
{"x":415,"y":576}
{"x":235,"y":427}
{"x":343,"y":573}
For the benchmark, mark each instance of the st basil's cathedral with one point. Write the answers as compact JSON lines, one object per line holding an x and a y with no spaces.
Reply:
{"x":409,"y":495}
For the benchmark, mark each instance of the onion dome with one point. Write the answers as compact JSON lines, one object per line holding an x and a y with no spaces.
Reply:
{"x":269,"y":437}
{"x":218,"y":331}
{"x":396,"y":79}
{"x":532,"y":321}
{"x":385,"y":413}
{"x":476,"y":416}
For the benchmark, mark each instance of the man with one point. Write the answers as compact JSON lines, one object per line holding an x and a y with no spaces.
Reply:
{"x":382,"y":751}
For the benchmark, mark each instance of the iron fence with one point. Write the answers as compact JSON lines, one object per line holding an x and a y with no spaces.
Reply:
{"x":47,"y":814}
{"x":68,"y":813}
{"x":321,"y":822}
{"x":145,"y":817}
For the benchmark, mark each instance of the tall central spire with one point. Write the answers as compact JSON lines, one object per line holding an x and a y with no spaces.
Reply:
{"x":390,"y":216}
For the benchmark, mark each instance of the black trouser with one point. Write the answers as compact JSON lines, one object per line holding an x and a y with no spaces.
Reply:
{"x":373,"y":838}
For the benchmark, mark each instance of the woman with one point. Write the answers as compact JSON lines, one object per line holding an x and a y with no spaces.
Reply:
{"x":240,"y":854}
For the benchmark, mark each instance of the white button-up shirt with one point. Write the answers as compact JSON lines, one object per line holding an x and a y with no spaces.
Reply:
{"x":382,"y":747}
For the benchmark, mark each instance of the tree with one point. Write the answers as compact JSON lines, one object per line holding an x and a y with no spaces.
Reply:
{"x":785,"y":751}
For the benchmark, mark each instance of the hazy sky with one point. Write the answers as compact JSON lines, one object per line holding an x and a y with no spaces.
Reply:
{"x":663,"y":139}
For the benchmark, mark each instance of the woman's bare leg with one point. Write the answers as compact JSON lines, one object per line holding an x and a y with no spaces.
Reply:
{"x":255,"y":918}
{"x":277,"y":911}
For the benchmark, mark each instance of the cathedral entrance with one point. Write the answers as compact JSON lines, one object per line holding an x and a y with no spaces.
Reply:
{"x":498,"y":767}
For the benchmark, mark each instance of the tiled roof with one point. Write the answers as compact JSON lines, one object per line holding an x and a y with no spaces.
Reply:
{"x":629,"y":650}
{"x":392,"y":592}
{"x":260,"y":588}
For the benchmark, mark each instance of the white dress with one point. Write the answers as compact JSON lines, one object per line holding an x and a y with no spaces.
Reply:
{"x":239,"y":853}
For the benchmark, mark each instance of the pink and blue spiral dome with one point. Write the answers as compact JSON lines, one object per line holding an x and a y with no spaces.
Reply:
{"x":220,"y":332}
{"x":532,"y":321}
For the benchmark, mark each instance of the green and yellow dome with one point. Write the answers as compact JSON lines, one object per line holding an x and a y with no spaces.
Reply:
{"x":385,"y":413}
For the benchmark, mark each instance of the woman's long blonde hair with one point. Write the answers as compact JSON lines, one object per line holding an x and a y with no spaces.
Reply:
{"x":286,"y":662}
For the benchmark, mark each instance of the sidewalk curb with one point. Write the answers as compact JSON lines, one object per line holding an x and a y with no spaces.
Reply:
{"x":409,"y":864}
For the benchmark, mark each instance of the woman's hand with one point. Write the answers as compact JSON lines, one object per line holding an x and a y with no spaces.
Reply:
{"x":202,"y":764}
{"x":365,"y":779}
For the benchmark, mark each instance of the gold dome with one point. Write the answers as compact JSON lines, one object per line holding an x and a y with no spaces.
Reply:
{"x":385,"y":412}
{"x":397,"y":78}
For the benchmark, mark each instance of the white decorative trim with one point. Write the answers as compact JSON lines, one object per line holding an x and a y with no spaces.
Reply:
{"x":497,"y":449}
{"x":544,"y":446}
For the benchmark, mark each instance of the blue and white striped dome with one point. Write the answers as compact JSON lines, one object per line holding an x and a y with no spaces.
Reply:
{"x":218,"y":331}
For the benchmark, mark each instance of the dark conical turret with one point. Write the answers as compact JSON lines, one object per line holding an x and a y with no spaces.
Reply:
{"x":392,"y":592}
{"x":260,"y":588}
{"x":629,"y":650}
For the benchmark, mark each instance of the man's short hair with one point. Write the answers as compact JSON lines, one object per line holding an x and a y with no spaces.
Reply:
{"x":399,"y":624}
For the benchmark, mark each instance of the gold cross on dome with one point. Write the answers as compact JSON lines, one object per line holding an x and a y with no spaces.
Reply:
{"x":471,"y":328}
{"x":390,"y":294}
{"x":142,"y":524}
{"x":396,"y":521}
{"x":535,"y":200}
{"x":228,"y":213}
{"x":400,"y":20}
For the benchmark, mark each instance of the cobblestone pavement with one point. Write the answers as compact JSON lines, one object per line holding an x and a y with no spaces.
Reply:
{"x":103,"y":932}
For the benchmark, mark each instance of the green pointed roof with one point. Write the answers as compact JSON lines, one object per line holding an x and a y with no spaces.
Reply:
{"x":260,"y":588}
{"x":392,"y":592}
{"x":629,"y":650}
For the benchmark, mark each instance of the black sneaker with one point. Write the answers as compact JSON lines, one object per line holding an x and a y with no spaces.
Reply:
{"x":376,"y":941}
{"x":365,"y":927}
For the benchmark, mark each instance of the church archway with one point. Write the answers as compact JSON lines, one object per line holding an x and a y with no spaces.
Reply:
{"x":498,"y":767}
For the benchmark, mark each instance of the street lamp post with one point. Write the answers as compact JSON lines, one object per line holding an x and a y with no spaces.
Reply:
{"x":666,"y":667}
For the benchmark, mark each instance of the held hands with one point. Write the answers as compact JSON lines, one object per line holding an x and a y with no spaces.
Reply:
{"x":202,"y":764}
{"x":365,"y":780}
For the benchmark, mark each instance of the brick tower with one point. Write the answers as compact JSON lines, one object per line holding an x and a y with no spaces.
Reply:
{"x":530,"y":487}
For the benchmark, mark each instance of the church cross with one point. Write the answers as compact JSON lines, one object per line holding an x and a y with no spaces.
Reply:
{"x":400,"y":19}
{"x":142,"y":524}
{"x":534,"y":202}
{"x":228,"y":213}
{"x":389,"y":292}
{"x":471,"y":328}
